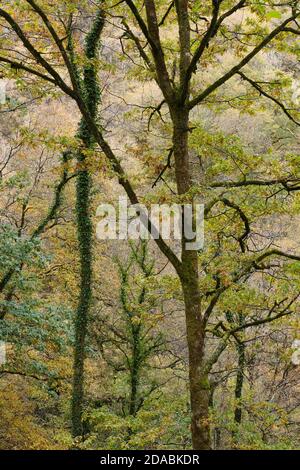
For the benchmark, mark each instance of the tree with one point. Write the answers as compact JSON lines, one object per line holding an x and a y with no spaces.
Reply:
{"x":87,"y":83}
{"x":91,"y":93}
{"x":136,"y":336}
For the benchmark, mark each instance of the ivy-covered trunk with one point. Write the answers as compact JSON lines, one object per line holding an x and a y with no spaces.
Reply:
{"x":84,"y":226}
{"x":198,"y":380}
{"x":135,"y":369}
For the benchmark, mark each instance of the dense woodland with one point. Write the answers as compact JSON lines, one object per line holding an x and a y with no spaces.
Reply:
{"x":144,"y":344}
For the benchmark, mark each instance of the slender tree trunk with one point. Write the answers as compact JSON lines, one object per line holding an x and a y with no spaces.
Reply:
{"x":134,"y":373}
{"x":241,"y":352}
{"x":84,"y":227}
{"x":198,"y":380}
{"x":238,"y":392}
{"x":241,"y":362}
{"x":239,"y":382}
{"x":216,"y":432}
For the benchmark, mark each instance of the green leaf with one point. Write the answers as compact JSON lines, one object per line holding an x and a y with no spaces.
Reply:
{"x":273,"y":14}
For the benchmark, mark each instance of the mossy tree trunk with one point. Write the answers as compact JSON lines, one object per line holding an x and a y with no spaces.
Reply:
{"x":91,"y":93}
{"x":135,"y":369}
{"x":189,"y":277}
{"x":239,"y":382}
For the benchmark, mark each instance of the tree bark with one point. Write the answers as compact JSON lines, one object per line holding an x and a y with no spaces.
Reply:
{"x":84,"y":227}
{"x":198,"y":379}
{"x":238,"y":392}
{"x":135,"y":370}
{"x":239,"y":382}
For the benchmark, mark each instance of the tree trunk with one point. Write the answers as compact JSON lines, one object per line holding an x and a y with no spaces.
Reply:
{"x":84,"y":226}
{"x":135,"y":370}
{"x":241,"y":362}
{"x":198,"y":381}
{"x":239,"y":382}
{"x":238,"y":392}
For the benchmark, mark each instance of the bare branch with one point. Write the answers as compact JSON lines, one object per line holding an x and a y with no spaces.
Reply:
{"x":203,"y":44}
{"x":238,"y":184}
{"x":20,"y":66}
{"x":36,"y":54}
{"x":214,"y":86}
{"x":264,"y":93}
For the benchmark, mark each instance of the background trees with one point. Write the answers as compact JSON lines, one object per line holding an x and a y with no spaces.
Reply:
{"x":196,"y":136}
